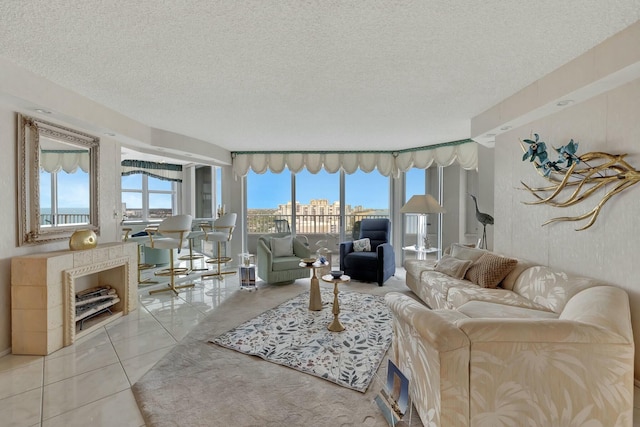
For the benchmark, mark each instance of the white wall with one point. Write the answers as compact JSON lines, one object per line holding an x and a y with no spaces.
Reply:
{"x":609,"y":249}
{"x":109,"y":202}
{"x":604,"y":85}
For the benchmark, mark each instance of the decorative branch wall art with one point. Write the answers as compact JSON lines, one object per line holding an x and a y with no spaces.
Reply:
{"x":583,"y":175}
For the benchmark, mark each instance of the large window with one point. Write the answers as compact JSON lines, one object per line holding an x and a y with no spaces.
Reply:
{"x":326,"y":204}
{"x":268,"y":202}
{"x":417,"y":182}
{"x":366,"y":196}
{"x":317,"y":203}
{"x":147,"y":198}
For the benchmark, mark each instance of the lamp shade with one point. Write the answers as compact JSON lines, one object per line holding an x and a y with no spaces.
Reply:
{"x":422,"y":204}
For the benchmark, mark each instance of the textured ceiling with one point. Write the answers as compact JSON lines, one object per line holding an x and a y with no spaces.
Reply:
{"x":293,"y":74}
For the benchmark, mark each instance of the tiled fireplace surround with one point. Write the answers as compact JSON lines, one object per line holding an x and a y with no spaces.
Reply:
{"x":43,"y":288}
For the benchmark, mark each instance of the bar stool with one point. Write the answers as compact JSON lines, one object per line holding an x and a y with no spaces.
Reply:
{"x":221,"y":231}
{"x":193,"y":234}
{"x":171,"y":234}
{"x":141,"y":266}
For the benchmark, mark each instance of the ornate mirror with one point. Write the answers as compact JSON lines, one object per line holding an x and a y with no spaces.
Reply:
{"x":58,"y":179}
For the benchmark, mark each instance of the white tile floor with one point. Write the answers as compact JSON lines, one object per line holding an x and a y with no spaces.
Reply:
{"x":89,"y":383}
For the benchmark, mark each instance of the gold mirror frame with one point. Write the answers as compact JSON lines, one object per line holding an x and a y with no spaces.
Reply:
{"x":30,"y":130}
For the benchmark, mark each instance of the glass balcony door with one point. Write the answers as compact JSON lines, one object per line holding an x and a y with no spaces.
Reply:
{"x":422,"y":181}
{"x":366,"y":196}
{"x":327,"y":209}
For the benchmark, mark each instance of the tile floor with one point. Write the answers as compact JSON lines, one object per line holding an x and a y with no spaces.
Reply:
{"x":89,"y":383}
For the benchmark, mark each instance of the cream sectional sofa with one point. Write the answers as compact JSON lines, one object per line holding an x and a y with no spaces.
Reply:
{"x":544,"y":348}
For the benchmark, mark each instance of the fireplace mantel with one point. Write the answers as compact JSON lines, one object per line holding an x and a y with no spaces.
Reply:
{"x":43,"y":288}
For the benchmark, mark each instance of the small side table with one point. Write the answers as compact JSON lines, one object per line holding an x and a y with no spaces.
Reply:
{"x":315,"y":300}
{"x":247,"y":270}
{"x":335,"y":325}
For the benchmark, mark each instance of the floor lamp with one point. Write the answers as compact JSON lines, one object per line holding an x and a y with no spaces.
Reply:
{"x":423,"y":204}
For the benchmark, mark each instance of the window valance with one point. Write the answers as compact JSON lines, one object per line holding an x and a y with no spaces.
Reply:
{"x":164,"y":171}
{"x":388,"y":163}
{"x":66,"y":160}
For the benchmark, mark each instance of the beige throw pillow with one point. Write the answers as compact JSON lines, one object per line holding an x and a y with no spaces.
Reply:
{"x":465,"y":252}
{"x":453,"y":267}
{"x":362,"y":245}
{"x":489,"y":270}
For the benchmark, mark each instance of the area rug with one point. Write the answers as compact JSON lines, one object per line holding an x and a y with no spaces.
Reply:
{"x":202,"y":384}
{"x":291,"y":335}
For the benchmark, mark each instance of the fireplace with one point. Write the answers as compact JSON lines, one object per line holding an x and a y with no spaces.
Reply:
{"x":44,"y":288}
{"x":112,"y":274}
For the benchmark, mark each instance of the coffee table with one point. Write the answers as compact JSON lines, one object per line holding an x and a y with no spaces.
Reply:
{"x":315,"y":300}
{"x":335,"y":325}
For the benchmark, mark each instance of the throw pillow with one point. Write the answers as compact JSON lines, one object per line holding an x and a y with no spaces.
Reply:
{"x":453,"y":267}
{"x":465,"y":252}
{"x":489,"y":270}
{"x":362,"y":245}
{"x":282,"y":246}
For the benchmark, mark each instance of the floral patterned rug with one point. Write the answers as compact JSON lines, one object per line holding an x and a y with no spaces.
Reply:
{"x":292,"y":335}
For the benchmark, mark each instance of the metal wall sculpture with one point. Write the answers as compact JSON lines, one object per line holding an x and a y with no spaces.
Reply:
{"x":584,"y":175}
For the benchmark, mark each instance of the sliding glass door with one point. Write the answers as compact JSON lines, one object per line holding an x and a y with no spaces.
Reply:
{"x":366,"y":196}
{"x":420,"y":182}
{"x":268,"y":202}
{"x":324,"y":207}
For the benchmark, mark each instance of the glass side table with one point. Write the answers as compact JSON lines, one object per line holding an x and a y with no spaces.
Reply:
{"x":247,"y":271}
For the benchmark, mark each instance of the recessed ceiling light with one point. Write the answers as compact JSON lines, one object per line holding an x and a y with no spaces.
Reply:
{"x":505,"y":128}
{"x":42,"y":111}
{"x":564,"y":102}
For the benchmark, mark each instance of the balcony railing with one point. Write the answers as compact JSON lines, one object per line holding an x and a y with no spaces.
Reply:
{"x":47,"y":219}
{"x":307,"y":224}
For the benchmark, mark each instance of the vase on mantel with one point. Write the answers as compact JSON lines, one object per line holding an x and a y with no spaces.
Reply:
{"x":82,"y":240}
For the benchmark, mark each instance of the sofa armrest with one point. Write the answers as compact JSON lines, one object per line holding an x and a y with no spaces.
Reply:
{"x":439,"y":333}
{"x":345,"y":248}
{"x":386,"y":253}
{"x":537,"y":331}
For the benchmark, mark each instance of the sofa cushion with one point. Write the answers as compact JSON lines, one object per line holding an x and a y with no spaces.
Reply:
{"x":282,"y":246}
{"x":489,"y":270}
{"x":460,"y":295}
{"x":486,"y":309}
{"x":415,"y":267}
{"x":465,"y":252}
{"x":453,"y":267}
{"x":451,"y":315}
{"x":551,"y":288}
{"x":434,"y":288}
{"x":362,"y":245}
{"x":360,"y":261}
{"x":510,"y":279}
{"x":285,"y":263}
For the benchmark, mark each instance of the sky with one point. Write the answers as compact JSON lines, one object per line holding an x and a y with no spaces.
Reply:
{"x":73,"y":190}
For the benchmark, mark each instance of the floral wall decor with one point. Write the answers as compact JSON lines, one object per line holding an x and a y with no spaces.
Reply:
{"x":581,"y":175}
